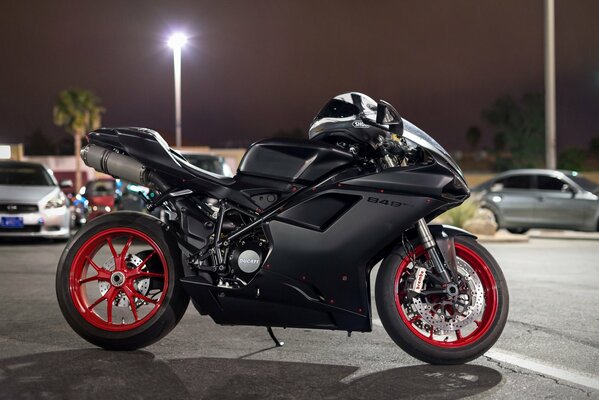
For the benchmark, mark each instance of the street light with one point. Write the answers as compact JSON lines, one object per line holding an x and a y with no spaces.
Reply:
{"x":550,"y":84}
{"x":176,"y":42}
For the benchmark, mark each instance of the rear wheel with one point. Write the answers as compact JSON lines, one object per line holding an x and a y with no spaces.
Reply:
{"x":118,"y":282}
{"x":432,"y":325}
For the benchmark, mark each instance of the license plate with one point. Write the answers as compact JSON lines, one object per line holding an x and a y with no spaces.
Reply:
{"x":11,"y":222}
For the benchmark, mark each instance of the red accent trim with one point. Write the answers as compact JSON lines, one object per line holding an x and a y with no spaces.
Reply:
{"x":78,"y":278}
{"x":491,"y":300}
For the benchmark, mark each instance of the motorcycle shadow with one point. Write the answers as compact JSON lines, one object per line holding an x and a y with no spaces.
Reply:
{"x":91,"y":374}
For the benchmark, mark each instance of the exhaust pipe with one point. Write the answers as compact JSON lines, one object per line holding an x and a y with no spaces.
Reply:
{"x":115,"y":164}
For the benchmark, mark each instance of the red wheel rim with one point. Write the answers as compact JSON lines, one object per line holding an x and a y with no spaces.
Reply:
{"x":478,"y":328}
{"x":123,"y":305}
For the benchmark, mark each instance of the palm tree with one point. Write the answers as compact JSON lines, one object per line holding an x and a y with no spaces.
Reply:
{"x":78,"y":111}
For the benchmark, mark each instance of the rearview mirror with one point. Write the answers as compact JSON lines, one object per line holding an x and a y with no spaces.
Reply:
{"x":381,"y":112}
{"x":386,"y":114}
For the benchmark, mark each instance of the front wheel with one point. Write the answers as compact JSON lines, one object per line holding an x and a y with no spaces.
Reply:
{"x":117,"y":282}
{"x":432,"y":325}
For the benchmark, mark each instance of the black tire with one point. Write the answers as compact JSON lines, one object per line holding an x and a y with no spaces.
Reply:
{"x":404,"y":337}
{"x":517,"y":231}
{"x":172,"y":304}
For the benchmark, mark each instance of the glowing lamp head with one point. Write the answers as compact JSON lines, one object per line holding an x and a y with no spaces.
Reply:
{"x":177,"y":41}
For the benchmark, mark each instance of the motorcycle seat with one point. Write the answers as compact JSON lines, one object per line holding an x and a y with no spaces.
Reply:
{"x":202,"y":173}
{"x":150,"y":149}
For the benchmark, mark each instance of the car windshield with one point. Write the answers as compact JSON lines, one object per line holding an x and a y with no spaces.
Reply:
{"x":25,"y":175}
{"x":585,"y":183}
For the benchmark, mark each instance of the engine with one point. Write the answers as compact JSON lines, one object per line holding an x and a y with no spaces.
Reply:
{"x":246,"y":258}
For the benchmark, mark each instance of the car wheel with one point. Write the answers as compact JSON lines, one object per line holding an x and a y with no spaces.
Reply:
{"x":517,"y":231}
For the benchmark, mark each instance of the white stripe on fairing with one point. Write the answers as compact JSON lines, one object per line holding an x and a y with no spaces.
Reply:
{"x":521,"y":361}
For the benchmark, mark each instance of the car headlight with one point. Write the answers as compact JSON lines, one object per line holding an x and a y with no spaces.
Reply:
{"x":56,"y":202}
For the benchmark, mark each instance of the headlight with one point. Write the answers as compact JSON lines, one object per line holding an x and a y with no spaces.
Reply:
{"x":56,"y":202}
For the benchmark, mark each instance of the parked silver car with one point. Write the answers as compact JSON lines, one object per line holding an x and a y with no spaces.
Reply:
{"x":541,"y":198}
{"x":31,"y":202}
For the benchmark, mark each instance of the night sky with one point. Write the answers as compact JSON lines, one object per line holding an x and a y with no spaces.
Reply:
{"x":256,"y":67}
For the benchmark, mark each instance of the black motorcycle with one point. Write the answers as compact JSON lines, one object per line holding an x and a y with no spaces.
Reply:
{"x":290,"y":241}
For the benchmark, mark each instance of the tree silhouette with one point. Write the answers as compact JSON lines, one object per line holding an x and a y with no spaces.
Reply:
{"x":78,"y":111}
{"x":519,"y":129}
{"x":473,"y":135}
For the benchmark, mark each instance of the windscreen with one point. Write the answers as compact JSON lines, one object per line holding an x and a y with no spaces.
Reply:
{"x":25,"y":175}
{"x":416,"y":135}
{"x":337,"y":108}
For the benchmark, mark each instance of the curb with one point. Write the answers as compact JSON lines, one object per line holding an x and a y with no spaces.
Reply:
{"x":503,"y":238}
{"x":564,"y":235}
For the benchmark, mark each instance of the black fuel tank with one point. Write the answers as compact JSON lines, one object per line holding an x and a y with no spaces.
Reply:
{"x":293,"y":160}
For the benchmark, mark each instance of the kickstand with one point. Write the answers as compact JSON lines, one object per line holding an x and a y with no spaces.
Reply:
{"x":274,"y":338}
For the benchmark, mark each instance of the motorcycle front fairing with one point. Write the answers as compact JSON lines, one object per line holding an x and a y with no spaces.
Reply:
{"x":420,"y":138}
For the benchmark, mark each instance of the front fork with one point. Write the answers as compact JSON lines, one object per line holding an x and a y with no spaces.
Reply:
{"x":441,"y":254}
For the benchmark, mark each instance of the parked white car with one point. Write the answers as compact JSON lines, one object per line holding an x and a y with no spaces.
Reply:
{"x":31,"y":202}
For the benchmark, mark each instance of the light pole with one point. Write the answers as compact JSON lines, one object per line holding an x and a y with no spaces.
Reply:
{"x":176,"y":42}
{"x":550,"y":84}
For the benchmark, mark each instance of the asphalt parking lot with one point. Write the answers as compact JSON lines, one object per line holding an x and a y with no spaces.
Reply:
{"x":549,"y":348}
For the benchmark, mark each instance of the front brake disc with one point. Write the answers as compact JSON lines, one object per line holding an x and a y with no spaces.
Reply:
{"x":451,"y":313}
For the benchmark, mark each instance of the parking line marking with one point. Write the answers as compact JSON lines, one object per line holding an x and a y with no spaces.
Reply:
{"x":521,"y":361}
{"x":547,"y":370}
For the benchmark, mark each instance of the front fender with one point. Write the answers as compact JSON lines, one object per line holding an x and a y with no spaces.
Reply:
{"x":440,"y":231}
{"x":444,"y":231}
{"x":443,"y":235}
